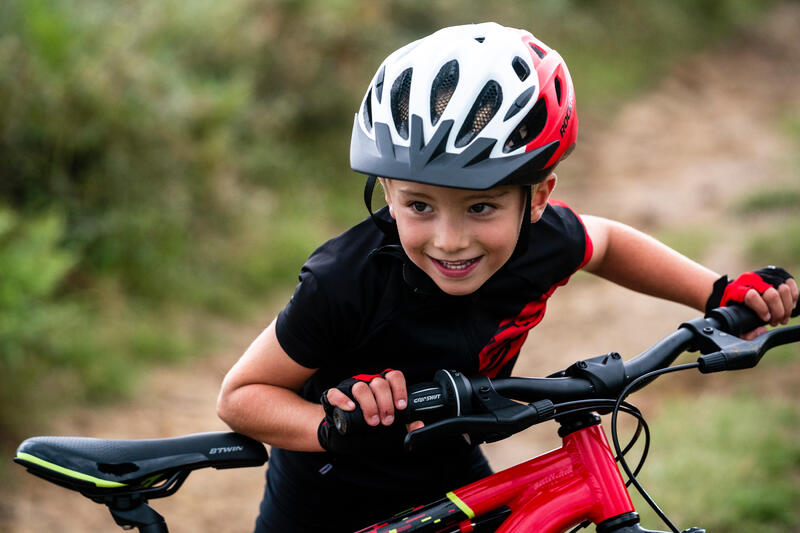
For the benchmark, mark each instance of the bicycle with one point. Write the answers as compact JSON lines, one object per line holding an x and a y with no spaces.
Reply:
{"x":570,"y":487}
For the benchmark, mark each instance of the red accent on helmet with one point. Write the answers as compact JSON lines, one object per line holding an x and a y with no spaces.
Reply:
{"x":562,"y":114}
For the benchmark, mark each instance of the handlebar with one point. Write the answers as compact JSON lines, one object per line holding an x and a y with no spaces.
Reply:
{"x":454,"y":404}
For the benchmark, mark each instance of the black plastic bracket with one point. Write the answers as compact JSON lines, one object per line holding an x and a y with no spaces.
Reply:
{"x":606,"y":373}
{"x":506,"y":412}
{"x":709,"y":339}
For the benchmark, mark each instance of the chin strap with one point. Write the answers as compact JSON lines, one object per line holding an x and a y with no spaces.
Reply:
{"x":387,"y":228}
{"x":525,"y":227}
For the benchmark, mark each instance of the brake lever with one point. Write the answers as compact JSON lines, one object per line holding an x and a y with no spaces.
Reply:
{"x":488,"y":427}
{"x":746,"y":354}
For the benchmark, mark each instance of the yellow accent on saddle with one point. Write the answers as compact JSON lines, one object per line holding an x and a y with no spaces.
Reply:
{"x":103,"y":483}
{"x":461,"y":505}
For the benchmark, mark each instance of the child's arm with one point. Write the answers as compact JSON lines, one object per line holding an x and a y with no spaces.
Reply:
{"x":637,"y":261}
{"x":259,"y":397}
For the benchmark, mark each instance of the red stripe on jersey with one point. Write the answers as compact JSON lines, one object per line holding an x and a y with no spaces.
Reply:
{"x":509,"y":338}
{"x":511,"y":334}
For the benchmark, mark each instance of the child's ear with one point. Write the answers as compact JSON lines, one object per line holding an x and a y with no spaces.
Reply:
{"x":387,"y":195}
{"x":540,"y":196}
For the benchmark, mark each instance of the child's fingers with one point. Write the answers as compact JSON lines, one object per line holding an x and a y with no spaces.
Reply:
{"x":414,"y":425}
{"x":366,"y":400}
{"x":754,"y":301}
{"x":755,"y":333}
{"x":773,"y":300}
{"x":339,"y":399}
{"x":397,"y":382}
{"x":785,"y":294}
{"x":793,"y":290}
{"x":383,"y":397}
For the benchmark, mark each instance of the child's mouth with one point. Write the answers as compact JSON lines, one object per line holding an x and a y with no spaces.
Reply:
{"x":456,"y":269}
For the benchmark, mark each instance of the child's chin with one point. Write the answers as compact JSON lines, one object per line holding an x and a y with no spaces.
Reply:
{"x":457,"y":288}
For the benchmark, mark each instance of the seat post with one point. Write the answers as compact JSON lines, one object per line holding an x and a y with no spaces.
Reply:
{"x":136,"y":513}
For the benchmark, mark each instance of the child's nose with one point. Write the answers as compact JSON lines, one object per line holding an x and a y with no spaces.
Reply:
{"x":451,"y":236}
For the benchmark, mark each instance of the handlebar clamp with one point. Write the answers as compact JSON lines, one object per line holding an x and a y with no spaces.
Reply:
{"x":606,"y":373}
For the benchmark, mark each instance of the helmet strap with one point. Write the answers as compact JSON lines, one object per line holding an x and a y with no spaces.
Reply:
{"x":388,"y":228}
{"x":525,"y":226}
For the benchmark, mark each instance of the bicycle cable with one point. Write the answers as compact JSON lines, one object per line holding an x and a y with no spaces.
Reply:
{"x":629,"y":408}
{"x":615,"y":437}
{"x":641,"y":425}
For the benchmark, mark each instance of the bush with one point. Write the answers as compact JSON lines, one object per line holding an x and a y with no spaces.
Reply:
{"x":164,"y":157}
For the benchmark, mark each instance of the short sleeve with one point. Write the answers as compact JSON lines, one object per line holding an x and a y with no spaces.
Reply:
{"x":574,"y":231}
{"x":307,"y":327}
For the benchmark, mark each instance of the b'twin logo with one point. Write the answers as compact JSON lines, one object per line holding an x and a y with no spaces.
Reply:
{"x":226,"y":449}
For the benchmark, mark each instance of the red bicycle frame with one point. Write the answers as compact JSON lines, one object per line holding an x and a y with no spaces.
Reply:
{"x":548,"y":494}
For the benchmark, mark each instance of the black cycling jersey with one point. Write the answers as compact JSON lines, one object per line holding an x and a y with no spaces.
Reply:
{"x":362,"y":306}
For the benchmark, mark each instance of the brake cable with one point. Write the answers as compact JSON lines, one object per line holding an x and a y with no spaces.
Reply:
{"x":615,"y":437}
{"x":626,"y":408}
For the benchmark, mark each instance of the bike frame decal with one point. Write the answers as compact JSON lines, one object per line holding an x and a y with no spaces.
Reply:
{"x":103,"y":483}
{"x":427,"y":518}
{"x":550,"y":493}
{"x":461,"y":505}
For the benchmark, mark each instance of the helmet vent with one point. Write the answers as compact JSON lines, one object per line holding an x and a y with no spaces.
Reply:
{"x":485,"y":107}
{"x":400,"y":101}
{"x":558,"y":90}
{"x":379,"y":83}
{"x":529,"y":128}
{"x":521,"y":68}
{"x":442,"y":89}
{"x":536,"y":50}
{"x":367,"y":110}
{"x":480,"y":39}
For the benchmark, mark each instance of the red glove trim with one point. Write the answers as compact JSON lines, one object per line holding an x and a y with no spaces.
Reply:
{"x":369,"y":377}
{"x":736,"y":290}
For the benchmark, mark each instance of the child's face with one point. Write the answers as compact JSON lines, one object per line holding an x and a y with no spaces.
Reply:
{"x":459,"y":237}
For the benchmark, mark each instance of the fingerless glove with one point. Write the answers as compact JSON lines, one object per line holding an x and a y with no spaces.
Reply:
{"x":726,"y":291}
{"x":374,"y":441}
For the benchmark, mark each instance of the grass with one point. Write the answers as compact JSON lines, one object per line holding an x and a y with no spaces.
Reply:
{"x":727,"y":463}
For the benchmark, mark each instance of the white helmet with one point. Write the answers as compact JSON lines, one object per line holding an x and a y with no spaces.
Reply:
{"x":470,"y":107}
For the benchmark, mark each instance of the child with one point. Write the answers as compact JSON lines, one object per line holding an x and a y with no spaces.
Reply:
{"x":465,"y":128}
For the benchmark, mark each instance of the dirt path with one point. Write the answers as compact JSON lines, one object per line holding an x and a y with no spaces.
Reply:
{"x":676,"y":157}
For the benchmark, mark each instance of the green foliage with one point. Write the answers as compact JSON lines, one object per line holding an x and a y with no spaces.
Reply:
{"x":775,"y":211}
{"x":727,"y":464}
{"x":770,"y":199}
{"x":165,"y":158}
{"x":53,"y":346}
{"x":31,"y":267}
{"x":780,"y":243}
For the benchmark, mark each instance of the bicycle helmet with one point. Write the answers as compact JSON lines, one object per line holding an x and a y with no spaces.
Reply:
{"x":471,"y":107}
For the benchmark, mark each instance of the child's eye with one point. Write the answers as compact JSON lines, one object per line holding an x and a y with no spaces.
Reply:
{"x":420,"y":207}
{"x":480,"y":209}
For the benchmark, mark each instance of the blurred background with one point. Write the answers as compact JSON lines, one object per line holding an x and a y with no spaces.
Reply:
{"x":166,"y":167}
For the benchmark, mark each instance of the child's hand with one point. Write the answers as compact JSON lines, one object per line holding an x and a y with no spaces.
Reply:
{"x":377,"y":395}
{"x":771,"y":292}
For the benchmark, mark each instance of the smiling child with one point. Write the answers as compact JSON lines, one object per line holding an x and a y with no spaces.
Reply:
{"x":464,"y":129}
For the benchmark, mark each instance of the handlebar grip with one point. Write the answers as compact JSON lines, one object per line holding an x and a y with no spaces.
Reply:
{"x":424,"y":399}
{"x":736,"y":319}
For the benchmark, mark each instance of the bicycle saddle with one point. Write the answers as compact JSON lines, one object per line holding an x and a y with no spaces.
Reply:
{"x":97,"y":467}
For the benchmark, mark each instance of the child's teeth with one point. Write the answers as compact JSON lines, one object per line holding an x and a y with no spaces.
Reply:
{"x":457,"y":265}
